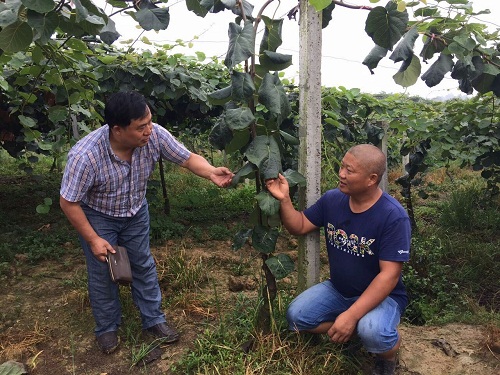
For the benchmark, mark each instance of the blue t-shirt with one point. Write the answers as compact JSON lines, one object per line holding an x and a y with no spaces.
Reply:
{"x":357,"y":241}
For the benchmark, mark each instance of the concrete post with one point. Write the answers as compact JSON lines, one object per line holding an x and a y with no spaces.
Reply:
{"x":310,"y":40}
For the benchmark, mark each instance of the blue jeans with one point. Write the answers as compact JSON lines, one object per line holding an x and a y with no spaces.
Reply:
{"x":133,"y":234}
{"x":323,"y":303}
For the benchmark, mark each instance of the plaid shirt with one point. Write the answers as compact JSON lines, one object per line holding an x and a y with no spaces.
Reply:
{"x":95,"y":176}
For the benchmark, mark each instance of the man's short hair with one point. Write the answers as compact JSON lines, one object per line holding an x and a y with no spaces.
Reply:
{"x":123,"y":107}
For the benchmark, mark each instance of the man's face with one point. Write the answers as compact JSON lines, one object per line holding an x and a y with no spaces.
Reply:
{"x":137,"y":133}
{"x":354,"y":178}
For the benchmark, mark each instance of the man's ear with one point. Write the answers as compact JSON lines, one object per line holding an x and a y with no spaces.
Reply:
{"x":373,"y":179}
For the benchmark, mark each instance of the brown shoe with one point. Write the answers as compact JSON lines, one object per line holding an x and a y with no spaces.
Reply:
{"x":163,"y":331}
{"x":108,"y":342}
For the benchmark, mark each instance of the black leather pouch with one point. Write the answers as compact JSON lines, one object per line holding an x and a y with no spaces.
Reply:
{"x":119,"y":266}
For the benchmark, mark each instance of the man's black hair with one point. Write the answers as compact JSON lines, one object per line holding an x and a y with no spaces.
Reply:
{"x":124,"y":107}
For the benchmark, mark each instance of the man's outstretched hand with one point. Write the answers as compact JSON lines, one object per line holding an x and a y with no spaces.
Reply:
{"x":278,"y":187}
{"x":222,"y":177}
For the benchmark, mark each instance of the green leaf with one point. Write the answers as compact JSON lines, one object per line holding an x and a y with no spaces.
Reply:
{"x":272,"y":95}
{"x":242,"y":86}
{"x":16,"y":37}
{"x":320,"y":4}
{"x":220,"y":136}
{"x":241,"y":238}
{"x":27,"y":121}
{"x":280,"y":265}
{"x":196,"y":7}
{"x":267,"y":203}
{"x":44,"y":25}
{"x":108,"y":33}
{"x":289,"y":139}
{"x":9,"y":12}
{"x":248,"y":170}
{"x":12,"y":368}
{"x":275,"y":61}
{"x":437,"y":71}
{"x":42,"y":209}
{"x":58,"y":113}
{"x":40,"y":6}
{"x":272,"y":34}
{"x":261,"y":149}
{"x":404,"y":49}
{"x":239,"y":118}
{"x":264,"y":239}
{"x":236,"y":6}
{"x":386,"y":25}
{"x":294,"y":178}
{"x":376,"y":54}
{"x":221,"y":96}
{"x":153,"y":19}
{"x":238,"y":142}
{"x":327,"y":15}
{"x":409,"y":72}
{"x":484,"y":82}
{"x":213,"y":6}
{"x":241,"y":44}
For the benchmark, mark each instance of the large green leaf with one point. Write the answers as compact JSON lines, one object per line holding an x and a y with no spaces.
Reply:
{"x":438,"y":69}
{"x":294,"y":178}
{"x":267,"y":203}
{"x":242,"y":86}
{"x":213,"y":6}
{"x":272,"y":35}
{"x":16,"y":37}
{"x":320,"y":4}
{"x":241,"y":238}
{"x":404,"y":49}
{"x":241,"y":44}
{"x":58,"y":113}
{"x":9,"y":12}
{"x":221,"y":96}
{"x":40,"y":6}
{"x":272,"y":95}
{"x":484,"y":82}
{"x":275,"y":61}
{"x":261,"y":149}
{"x":220,"y":135}
{"x":280,"y":265}
{"x":376,"y":54}
{"x":239,"y":118}
{"x":153,"y":19}
{"x":248,"y":170}
{"x":238,"y":142}
{"x":264,"y":239}
{"x":264,"y":152}
{"x":196,"y":7}
{"x":327,"y":15}
{"x":386,"y":25}
{"x":236,"y":6}
{"x":44,"y":25}
{"x":108,"y":33}
{"x":409,"y":72}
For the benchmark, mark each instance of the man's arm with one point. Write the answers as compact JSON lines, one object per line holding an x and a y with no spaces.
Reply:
{"x":378,"y":290}
{"x":221,"y":176}
{"x":77,"y":218}
{"x":294,"y":221}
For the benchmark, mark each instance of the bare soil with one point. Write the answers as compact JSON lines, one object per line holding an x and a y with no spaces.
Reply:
{"x":46,"y":324}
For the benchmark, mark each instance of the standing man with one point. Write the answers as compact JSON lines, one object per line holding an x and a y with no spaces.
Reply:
{"x":103,"y":194}
{"x":367,"y":238}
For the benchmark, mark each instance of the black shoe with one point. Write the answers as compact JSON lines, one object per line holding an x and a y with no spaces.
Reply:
{"x":163,"y":331}
{"x":108,"y":342}
{"x":384,"y":367}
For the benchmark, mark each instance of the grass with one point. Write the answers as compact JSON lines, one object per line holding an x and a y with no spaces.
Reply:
{"x":451,"y":276}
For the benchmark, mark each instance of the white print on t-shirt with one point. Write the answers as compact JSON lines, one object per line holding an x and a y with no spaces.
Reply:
{"x":349,"y":243}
